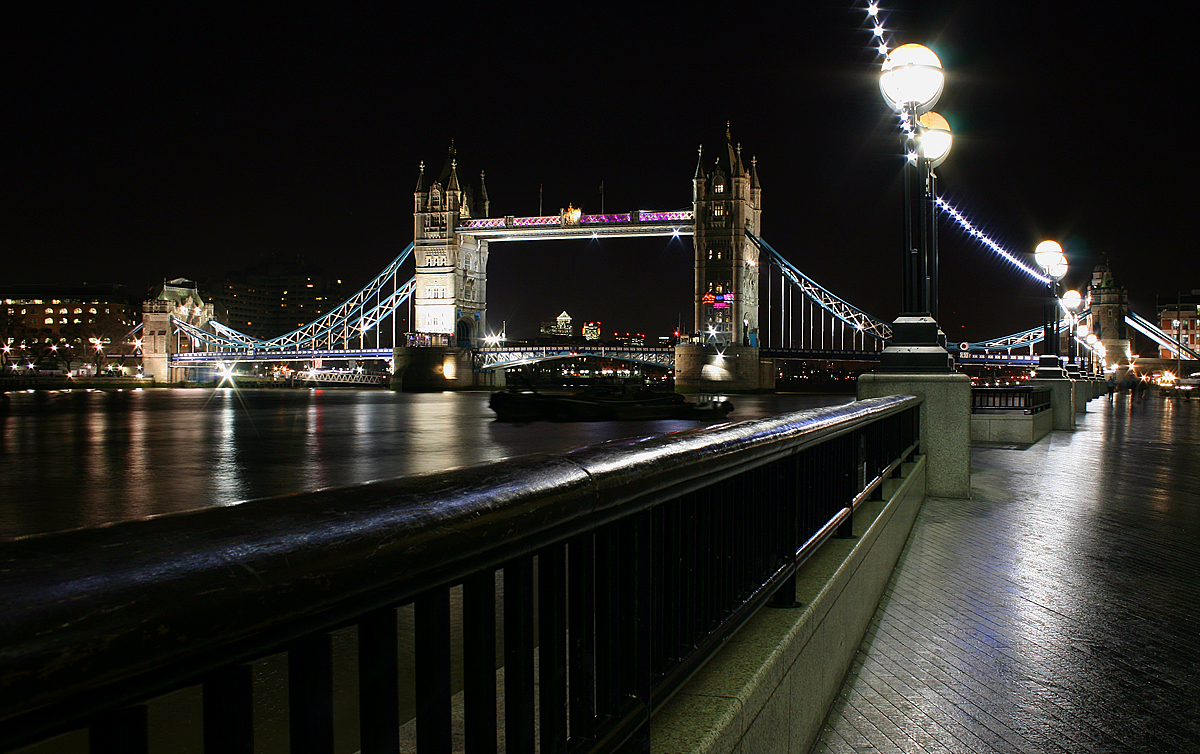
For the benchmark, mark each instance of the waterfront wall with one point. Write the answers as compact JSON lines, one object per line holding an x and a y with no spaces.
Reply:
{"x":770,"y":688}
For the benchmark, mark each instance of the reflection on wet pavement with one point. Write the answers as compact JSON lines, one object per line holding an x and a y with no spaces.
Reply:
{"x":1055,"y":611}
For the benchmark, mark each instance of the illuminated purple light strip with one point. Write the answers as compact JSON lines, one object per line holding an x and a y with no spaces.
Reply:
{"x":486,"y":222}
{"x":547,"y":220}
{"x":606,"y":218}
{"x":665,"y":216}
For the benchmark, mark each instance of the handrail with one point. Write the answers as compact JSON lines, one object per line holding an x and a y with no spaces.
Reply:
{"x":1026,"y":398}
{"x":100,"y":617}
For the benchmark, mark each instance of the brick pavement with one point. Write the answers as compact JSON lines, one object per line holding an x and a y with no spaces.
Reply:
{"x":1054,"y":611}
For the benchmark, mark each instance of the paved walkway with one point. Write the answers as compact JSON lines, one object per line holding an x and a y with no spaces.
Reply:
{"x":1058,"y":610}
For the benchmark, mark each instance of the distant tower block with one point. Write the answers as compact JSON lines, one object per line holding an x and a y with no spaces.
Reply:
{"x":451,"y":297}
{"x":1110,"y":304}
{"x":727,"y":202}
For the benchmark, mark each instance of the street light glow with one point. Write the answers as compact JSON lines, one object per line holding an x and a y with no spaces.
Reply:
{"x":912,"y":78}
{"x":1071,"y":300}
{"x":935,"y":138}
{"x":1048,"y":254}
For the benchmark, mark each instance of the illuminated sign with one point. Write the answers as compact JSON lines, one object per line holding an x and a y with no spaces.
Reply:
{"x":709,"y":298}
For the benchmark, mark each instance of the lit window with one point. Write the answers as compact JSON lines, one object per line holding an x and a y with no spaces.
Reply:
{"x":49,"y":320}
{"x":719,"y":188}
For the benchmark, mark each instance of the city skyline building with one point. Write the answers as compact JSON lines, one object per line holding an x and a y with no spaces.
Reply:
{"x":561,"y":326}
{"x":276,"y":295}
{"x":64,"y":322}
{"x":1179,"y":316}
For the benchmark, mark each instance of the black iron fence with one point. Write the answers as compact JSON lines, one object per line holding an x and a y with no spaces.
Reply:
{"x":644,"y":555}
{"x":999,"y":400}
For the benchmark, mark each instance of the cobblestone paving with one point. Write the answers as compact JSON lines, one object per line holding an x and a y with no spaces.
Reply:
{"x":1057,"y":610}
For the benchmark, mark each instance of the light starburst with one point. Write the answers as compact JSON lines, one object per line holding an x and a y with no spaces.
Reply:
{"x":874,"y":13}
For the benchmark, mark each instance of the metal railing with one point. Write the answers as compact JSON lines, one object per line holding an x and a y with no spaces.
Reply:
{"x":1001,"y":400}
{"x":646,"y":554}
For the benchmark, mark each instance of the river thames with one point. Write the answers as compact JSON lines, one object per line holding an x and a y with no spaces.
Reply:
{"x":85,"y":458}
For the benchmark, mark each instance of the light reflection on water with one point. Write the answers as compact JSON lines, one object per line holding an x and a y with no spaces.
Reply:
{"x":84,"y":458}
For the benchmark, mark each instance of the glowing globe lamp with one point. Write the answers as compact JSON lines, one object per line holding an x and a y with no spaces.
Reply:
{"x":1047,"y":254}
{"x":912,"y":78}
{"x":935,"y":138}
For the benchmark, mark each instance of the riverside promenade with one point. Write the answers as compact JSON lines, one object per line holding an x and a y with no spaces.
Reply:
{"x":1057,"y":610}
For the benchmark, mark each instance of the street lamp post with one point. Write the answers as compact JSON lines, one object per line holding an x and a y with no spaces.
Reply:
{"x":1071,"y":301}
{"x":911,"y":83}
{"x":1049,"y":256}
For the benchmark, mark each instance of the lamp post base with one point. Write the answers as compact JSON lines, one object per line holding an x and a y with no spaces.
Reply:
{"x":916,"y":348}
{"x":1050,"y":368}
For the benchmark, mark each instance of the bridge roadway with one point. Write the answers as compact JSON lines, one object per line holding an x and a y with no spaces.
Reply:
{"x":1055,"y":611}
{"x":510,"y":356}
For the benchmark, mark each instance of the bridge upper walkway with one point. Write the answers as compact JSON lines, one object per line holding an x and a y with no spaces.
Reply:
{"x":1055,"y":611}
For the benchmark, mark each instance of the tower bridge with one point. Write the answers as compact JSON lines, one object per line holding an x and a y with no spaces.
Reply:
{"x":731,"y":348}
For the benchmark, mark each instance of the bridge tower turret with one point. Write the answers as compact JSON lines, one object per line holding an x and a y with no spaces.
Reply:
{"x":1110,"y":304}
{"x":450,"y":301}
{"x":727,"y":203}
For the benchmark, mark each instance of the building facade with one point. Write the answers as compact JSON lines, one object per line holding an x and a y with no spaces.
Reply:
{"x":560,"y":326}
{"x":65,"y":325}
{"x":1179,"y":317}
{"x":277,"y":296}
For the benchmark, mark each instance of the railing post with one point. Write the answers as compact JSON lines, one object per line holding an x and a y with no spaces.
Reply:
{"x":378,"y":683}
{"x":846,"y":490}
{"x":124,"y":731}
{"x":432,"y":628}
{"x":552,"y":657}
{"x":310,"y":694}
{"x":518,"y":654}
{"x":581,"y":616}
{"x":479,"y":661}
{"x":229,"y":711}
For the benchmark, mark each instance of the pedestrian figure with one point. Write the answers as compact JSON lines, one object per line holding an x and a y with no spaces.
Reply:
{"x":1112,"y":386}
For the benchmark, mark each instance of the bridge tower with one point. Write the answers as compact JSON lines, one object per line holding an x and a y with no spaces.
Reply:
{"x":727,"y":202}
{"x":450,"y":300}
{"x":177,"y":299}
{"x":1110,"y":304}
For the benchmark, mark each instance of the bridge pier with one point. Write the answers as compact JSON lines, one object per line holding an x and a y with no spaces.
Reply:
{"x":722,"y":369}
{"x":424,"y":369}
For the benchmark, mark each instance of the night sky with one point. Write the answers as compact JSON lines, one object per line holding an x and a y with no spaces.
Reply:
{"x":187,"y":140}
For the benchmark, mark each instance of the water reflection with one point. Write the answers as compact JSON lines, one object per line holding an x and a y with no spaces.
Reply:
{"x":84,"y":458}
